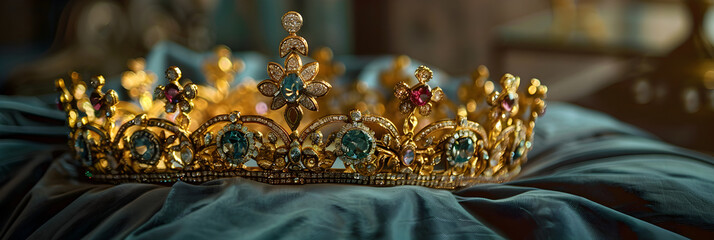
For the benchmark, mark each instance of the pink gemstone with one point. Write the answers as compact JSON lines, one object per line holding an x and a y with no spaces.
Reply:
{"x":508,"y":102}
{"x":421,"y":95}
{"x":408,"y":157}
{"x":261,"y":108}
{"x":96,"y":101}
{"x":172,"y":92}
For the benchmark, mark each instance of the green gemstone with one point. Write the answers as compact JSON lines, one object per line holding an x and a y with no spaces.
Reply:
{"x":356,"y":144}
{"x":81,"y":147}
{"x":292,"y":85}
{"x":520,"y":149}
{"x":235,"y":144}
{"x":462,"y":150}
{"x":145,"y":148}
{"x":295,"y":154}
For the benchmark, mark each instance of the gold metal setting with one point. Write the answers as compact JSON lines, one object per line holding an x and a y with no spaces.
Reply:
{"x":485,"y":142}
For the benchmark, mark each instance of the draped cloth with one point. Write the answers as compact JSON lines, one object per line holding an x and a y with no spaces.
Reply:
{"x":588,"y":176}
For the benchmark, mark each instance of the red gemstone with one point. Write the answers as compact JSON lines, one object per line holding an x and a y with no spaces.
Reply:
{"x":508,"y":102}
{"x":59,"y":104}
{"x":172,"y":92}
{"x":421,"y":95}
{"x":96,"y":101}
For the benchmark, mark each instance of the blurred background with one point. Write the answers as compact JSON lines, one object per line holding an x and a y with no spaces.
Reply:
{"x":646,"y":62}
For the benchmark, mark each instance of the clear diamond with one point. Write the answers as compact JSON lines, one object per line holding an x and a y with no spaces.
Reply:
{"x":292,"y":21}
{"x":186,"y":155}
{"x":356,"y":115}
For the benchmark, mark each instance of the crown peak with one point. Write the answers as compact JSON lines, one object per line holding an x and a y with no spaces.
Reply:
{"x":292,"y":21}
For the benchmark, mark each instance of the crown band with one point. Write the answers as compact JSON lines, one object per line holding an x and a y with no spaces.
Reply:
{"x":479,"y":145}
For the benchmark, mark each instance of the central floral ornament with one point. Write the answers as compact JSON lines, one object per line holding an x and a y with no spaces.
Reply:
{"x":294,"y":85}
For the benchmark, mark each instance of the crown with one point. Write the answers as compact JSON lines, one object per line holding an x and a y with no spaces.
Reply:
{"x":197,"y":133}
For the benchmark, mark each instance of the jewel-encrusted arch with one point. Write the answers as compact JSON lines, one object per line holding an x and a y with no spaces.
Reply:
{"x":167,"y":145}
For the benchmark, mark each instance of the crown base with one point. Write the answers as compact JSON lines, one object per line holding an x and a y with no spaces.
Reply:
{"x":300,"y":178}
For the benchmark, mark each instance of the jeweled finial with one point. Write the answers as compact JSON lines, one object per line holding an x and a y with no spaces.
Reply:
{"x":103,"y":103}
{"x":420,"y":95}
{"x":175,"y":95}
{"x":507,"y":98}
{"x":294,"y":85}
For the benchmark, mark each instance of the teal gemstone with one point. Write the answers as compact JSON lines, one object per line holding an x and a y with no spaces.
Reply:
{"x":295,"y":154}
{"x":292,"y":85}
{"x":81,"y":147}
{"x":462,"y":150}
{"x":356,"y":144}
{"x":235,"y":144}
{"x":520,"y":149}
{"x":145,"y":148}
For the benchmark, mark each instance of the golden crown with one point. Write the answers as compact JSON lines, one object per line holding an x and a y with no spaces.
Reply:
{"x":234,"y":133}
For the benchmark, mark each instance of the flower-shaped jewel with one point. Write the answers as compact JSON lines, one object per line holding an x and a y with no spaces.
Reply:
{"x":293,"y":85}
{"x":507,"y":99}
{"x":102,"y":103}
{"x":420,"y":95}
{"x":175,"y":95}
